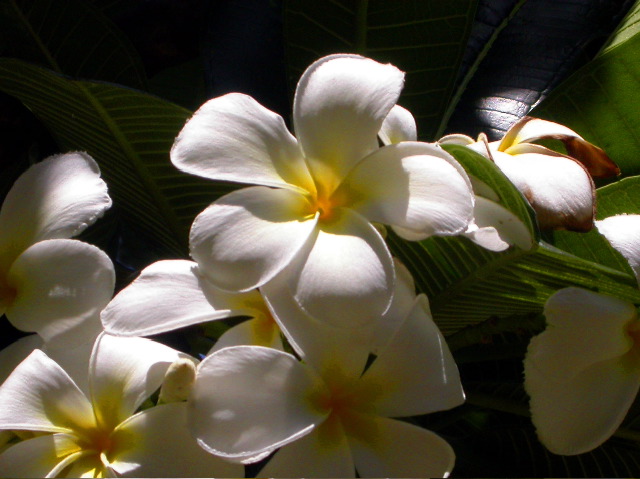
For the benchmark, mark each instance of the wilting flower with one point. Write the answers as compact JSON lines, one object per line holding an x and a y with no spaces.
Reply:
{"x":96,"y":432}
{"x":559,"y":187}
{"x":172,"y":294}
{"x":309,"y":218}
{"x":583,"y":372}
{"x":327,"y":416}
{"x":50,"y":284}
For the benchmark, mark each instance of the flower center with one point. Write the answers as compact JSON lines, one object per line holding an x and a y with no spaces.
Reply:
{"x":98,"y":445}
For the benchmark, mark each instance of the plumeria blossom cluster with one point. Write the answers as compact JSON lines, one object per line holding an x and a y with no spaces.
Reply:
{"x":331,"y":346}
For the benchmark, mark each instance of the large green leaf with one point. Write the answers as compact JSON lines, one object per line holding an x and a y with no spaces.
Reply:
{"x":424,"y":38}
{"x":72,"y":37}
{"x":129,"y":133}
{"x":629,"y":26}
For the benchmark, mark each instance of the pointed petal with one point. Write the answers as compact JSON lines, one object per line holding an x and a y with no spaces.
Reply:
{"x":17,"y":352}
{"x":497,"y":228}
{"x":167,"y":295}
{"x":399,"y":125}
{"x":56,"y":198}
{"x":248,"y":401}
{"x":62,"y":285}
{"x":40,"y":396}
{"x":559,"y":189}
{"x":578,"y":414}
{"x":339,"y":106}
{"x":623,"y":232}
{"x":37,"y":457}
{"x":246,"y":237}
{"x":400,"y":449}
{"x":125,"y":371}
{"x":157,"y":443}
{"x":414,"y":186}
{"x":312,"y":456}
{"x":529,"y":129}
{"x":415,"y":373}
{"x":347,"y":279}
{"x":259,"y":331}
{"x":319,"y":343}
{"x":234,"y":138}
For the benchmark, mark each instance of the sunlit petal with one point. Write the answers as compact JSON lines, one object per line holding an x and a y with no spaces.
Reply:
{"x":40,"y":396}
{"x":248,"y":401}
{"x":157,"y":443}
{"x":37,"y":457}
{"x":339,"y":106}
{"x":246,"y":237}
{"x":415,"y":373}
{"x":258,"y":331}
{"x":234,"y":138}
{"x":399,"y":125}
{"x":399,"y":449}
{"x":623,"y":232}
{"x":414,"y":186}
{"x":61,"y":286}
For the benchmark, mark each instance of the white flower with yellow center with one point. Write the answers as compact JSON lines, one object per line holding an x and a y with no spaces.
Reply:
{"x":50,"y":284}
{"x":327,"y":416}
{"x":309,"y":217}
{"x":97,"y":432}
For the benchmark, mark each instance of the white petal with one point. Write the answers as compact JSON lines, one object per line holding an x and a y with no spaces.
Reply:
{"x":576,"y":415}
{"x":259,"y":331}
{"x":415,"y":373}
{"x":559,"y":188}
{"x":246,"y":237}
{"x":583,"y":328}
{"x":347,"y":279}
{"x":414,"y":186}
{"x":167,"y":295}
{"x":74,"y":359}
{"x":497,"y":228}
{"x":399,"y":125}
{"x":248,"y":401}
{"x":157,"y":443}
{"x":56,"y":198}
{"x":234,"y":138}
{"x":313,"y":456}
{"x":40,"y":396}
{"x":456,"y":139}
{"x":17,"y":352}
{"x":124,"y":372}
{"x":623,"y":232}
{"x":61,"y":287}
{"x":319,"y":343}
{"x":37,"y":457}
{"x":339,"y":106}
{"x":399,"y":449}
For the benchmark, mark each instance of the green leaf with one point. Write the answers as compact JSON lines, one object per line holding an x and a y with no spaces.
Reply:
{"x":130,"y":134}
{"x":71,"y":37}
{"x":601,"y":101}
{"x":424,"y":38}
{"x":627,"y":28}
{"x":467,"y":284}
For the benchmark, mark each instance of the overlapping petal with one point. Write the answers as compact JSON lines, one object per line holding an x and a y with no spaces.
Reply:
{"x":400,"y":449}
{"x":234,"y":138}
{"x":415,"y":373}
{"x":623,"y":232}
{"x":17,"y":352}
{"x":399,"y":125}
{"x":157,"y":443}
{"x":124,"y":371}
{"x":339,"y":106}
{"x":246,"y":237}
{"x":56,"y":198}
{"x":258,"y":331}
{"x":347,"y":278}
{"x":40,"y":456}
{"x":52,"y":404}
{"x":61,"y":286}
{"x":414,"y":186}
{"x":248,"y":400}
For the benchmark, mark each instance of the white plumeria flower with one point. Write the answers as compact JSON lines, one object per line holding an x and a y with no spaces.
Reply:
{"x":493,"y":226}
{"x":309,"y":217}
{"x":172,"y":294}
{"x":97,"y":432}
{"x":50,"y":284}
{"x":327,"y":416}
{"x":583,"y":372}
{"x":559,"y":187}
